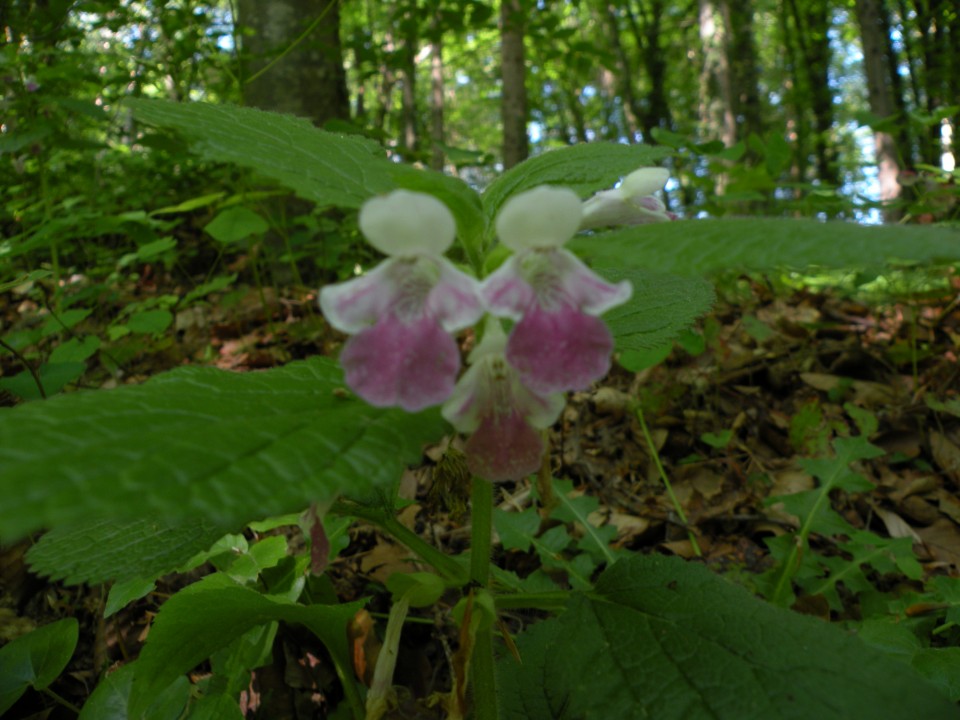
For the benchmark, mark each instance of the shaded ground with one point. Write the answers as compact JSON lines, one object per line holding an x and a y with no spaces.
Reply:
{"x":769,"y":380}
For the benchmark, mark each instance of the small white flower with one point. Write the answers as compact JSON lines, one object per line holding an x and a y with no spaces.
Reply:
{"x":401,"y":313}
{"x":632,"y":203}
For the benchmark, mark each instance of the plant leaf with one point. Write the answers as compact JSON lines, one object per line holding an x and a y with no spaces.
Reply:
{"x":101,"y":550}
{"x":585,"y":168}
{"x":36,"y":659}
{"x":212,"y":613}
{"x":327,"y":168}
{"x":660,"y":308}
{"x":665,"y":639}
{"x":109,"y":699}
{"x":696,"y":247}
{"x":200,"y":442}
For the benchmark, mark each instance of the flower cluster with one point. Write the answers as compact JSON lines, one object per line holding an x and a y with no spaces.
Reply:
{"x":402,"y":316}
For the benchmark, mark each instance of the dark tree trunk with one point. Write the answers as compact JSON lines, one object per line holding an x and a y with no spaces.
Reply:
{"x":874,"y":33}
{"x":309,"y":80}
{"x":516,"y":145}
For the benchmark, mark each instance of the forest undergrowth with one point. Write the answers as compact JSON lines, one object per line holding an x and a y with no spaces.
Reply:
{"x":685,"y":457}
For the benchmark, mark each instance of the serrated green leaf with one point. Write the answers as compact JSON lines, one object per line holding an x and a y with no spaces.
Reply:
{"x":98,"y":551}
{"x":941,"y":666}
{"x":585,"y":168}
{"x":661,"y":307}
{"x":665,"y":639}
{"x":698,"y":247}
{"x":200,"y":442}
{"x":35,"y":659}
{"x":209,"y":615}
{"x":327,"y":168}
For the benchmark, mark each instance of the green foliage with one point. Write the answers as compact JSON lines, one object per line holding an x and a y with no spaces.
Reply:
{"x":200,"y":442}
{"x":585,"y":168}
{"x":662,"y":638}
{"x":327,"y":168}
{"x":111,"y":697}
{"x":710,"y":246}
{"x":812,"y":508}
{"x":211,"y":614}
{"x":104,"y":549}
{"x":573,"y":549}
{"x":35,"y":659}
{"x":661,"y":307}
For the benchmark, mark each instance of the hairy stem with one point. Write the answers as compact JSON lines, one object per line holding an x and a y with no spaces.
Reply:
{"x":481,"y":543}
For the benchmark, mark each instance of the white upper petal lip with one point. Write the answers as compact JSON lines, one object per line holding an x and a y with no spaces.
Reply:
{"x":544,"y":217}
{"x":405,"y":223}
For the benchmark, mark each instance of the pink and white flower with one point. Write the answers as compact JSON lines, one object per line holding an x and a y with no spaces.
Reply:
{"x":401,"y":313}
{"x":504,"y":416}
{"x":558,"y":343}
{"x":631,"y":203}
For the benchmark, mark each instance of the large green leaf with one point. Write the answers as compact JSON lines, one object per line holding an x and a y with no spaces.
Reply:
{"x":110,"y":698}
{"x":104,"y":549}
{"x":659,"y":309}
{"x":212,"y":613}
{"x":695,"y":247}
{"x":585,"y":168}
{"x":328,"y":168}
{"x":36,"y":659}
{"x":665,"y":639}
{"x":200,"y":442}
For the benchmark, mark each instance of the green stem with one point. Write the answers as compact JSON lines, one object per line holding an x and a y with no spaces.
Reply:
{"x":790,"y":564}
{"x":555,"y":601}
{"x":483,"y":667}
{"x":442,"y":563}
{"x":30,"y":369}
{"x":481,"y":531}
{"x":484,"y":677}
{"x":666,"y":481}
{"x":66,"y":703}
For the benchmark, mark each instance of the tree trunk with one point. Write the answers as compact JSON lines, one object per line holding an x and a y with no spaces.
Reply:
{"x":436,"y":99}
{"x":870,"y":15}
{"x":716,"y":102}
{"x":387,"y":81}
{"x":742,"y":62}
{"x":631,"y":107}
{"x":797,"y":124}
{"x":812,"y":26}
{"x":655,"y":112}
{"x":516,"y":145}
{"x":309,"y":80}
{"x":410,"y":139}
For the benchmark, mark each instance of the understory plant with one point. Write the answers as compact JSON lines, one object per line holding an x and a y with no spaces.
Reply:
{"x":561,"y":263}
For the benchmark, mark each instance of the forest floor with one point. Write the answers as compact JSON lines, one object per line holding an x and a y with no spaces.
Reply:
{"x":766,"y":382}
